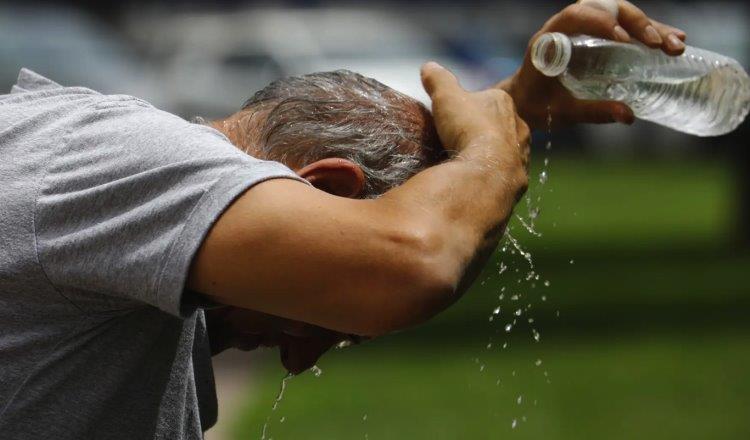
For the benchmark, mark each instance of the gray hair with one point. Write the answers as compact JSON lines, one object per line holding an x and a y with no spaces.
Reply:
{"x":344,"y":114}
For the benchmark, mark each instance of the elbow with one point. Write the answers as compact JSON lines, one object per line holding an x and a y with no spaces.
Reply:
{"x":421,"y":283}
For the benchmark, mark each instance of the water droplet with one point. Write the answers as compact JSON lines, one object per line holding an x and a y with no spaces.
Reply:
{"x":505,"y":345}
{"x":497,"y":383}
{"x":481,"y":368}
{"x":489,"y":345}
{"x":508,"y":328}
{"x":502,"y":269}
{"x":514,"y":424}
{"x":543,"y":177}
{"x":364,"y":418}
{"x":546,"y":161}
{"x":531,"y":320}
{"x":316,"y":371}
{"x":491,"y":318}
{"x":343,"y":344}
{"x":534,"y":213}
{"x":519,"y":400}
{"x":518,"y":312}
{"x":514,"y":298}
{"x":513,"y":373}
{"x":544,"y":297}
{"x":281,"y":420}
{"x":538,"y":362}
{"x":546,"y":283}
{"x":572,"y":261}
{"x":536,"y":335}
{"x":496,"y":311}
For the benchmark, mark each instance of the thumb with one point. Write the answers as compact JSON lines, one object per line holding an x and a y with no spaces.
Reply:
{"x":436,"y":77}
{"x":603,"y":112}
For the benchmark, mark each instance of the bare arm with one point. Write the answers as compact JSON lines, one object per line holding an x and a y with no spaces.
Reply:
{"x":372,"y":266}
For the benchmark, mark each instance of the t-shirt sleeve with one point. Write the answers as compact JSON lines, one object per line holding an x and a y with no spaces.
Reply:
{"x":128,"y":197}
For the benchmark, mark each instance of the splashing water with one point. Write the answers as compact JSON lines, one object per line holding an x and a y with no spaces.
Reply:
{"x":529,"y":226}
{"x":526,"y":255}
{"x":276,"y":402}
{"x":531,"y":279}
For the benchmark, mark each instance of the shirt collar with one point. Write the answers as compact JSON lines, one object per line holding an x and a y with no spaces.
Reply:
{"x":29,"y":81}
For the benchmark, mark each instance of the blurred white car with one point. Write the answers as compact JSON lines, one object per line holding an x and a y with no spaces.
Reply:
{"x":72,"y":49}
{"x":213,"y":62}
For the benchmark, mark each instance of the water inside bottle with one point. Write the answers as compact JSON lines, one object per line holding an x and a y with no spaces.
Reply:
{"x":698,"y":92}
{"x":698,"y":102}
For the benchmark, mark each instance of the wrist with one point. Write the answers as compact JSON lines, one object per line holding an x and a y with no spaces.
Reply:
{"x":498,"y":158}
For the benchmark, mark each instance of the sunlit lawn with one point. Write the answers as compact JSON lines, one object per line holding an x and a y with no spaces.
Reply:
{"x":644,"y":336}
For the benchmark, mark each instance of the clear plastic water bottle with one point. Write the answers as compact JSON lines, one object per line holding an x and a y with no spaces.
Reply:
{"x":699,"y":92}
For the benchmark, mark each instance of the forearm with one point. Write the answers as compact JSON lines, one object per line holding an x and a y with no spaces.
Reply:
{"x":360,"y":266}
{"x":469,"y":217}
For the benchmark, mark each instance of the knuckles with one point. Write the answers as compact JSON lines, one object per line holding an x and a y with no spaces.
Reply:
{"x":571,"y":12}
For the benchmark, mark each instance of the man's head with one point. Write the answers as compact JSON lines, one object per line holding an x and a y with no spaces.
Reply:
{"x":347,"y":134}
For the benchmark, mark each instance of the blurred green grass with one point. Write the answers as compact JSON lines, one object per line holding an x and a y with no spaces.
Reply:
{"x":690,"y":386}
{"x":644,"y":336}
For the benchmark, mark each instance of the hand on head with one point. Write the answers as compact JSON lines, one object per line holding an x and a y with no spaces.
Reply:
{"x":473,"y":119}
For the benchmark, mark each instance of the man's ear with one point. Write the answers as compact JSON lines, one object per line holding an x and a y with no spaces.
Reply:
{"x":336,"y":176}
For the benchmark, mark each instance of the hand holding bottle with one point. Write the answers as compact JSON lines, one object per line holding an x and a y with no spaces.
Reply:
{"x":533,"y":92}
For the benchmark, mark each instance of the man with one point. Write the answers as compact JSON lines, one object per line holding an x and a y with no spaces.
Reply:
{"x":348,"y":214}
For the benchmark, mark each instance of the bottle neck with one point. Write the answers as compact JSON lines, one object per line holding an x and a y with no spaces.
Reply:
{"x":551,"y":53}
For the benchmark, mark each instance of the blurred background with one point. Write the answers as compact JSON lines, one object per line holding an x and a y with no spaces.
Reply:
{"x":633,"y":322}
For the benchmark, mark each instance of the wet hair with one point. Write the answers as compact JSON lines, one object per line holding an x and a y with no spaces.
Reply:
{"x":344,"y":114}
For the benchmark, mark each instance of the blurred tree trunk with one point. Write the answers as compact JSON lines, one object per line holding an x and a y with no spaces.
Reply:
{"x":741,"y":155}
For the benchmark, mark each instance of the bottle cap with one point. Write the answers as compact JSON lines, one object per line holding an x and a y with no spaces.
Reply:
{"x":551,"y":53}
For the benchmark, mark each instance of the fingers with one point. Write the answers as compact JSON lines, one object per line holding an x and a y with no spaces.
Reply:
{"x":437,"y":78}
{"x":651,"y":32}
{"x":637,"y":23}
{"x":582,"y":18}
{"x":596,"y":18}
{"x":602,"y":112}
{"x":674,"y":39}
{"x":610,"y":6}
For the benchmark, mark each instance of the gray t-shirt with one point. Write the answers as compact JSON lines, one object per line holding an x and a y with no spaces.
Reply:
{"x":104,"y":200}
